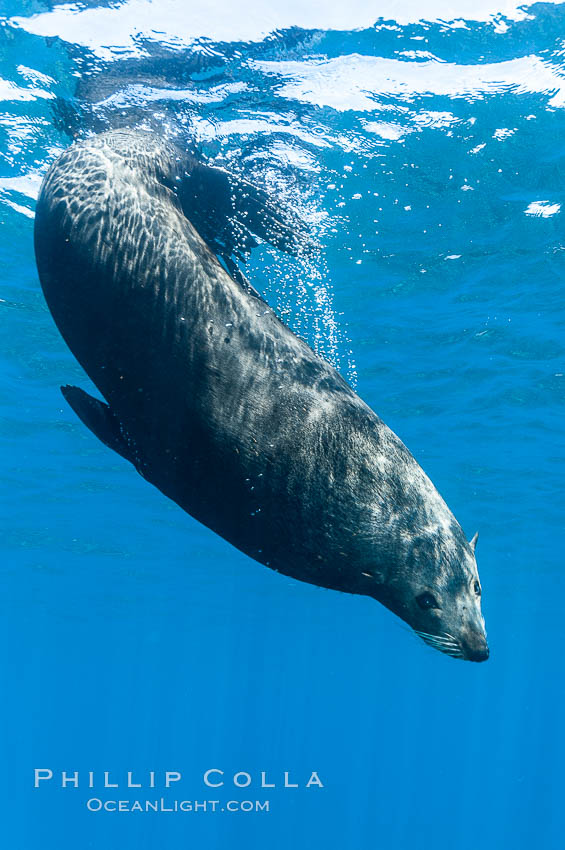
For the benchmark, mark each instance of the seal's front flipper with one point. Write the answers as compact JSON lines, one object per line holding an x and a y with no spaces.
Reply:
{"x":99,"y":418}
{"x":227,"y":210}
{"x":239,"y":277}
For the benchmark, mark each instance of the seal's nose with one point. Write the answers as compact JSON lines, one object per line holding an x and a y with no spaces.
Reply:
{"x":480,"y":654}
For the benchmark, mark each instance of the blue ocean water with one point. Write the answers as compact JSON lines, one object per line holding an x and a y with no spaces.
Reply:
{"x":426,"y":150}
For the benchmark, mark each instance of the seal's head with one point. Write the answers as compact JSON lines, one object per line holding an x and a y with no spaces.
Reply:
{"x":448,"y":614}
{"x":438,"y":593}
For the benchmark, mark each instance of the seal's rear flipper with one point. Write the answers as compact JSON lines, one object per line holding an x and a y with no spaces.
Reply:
{"x":98,"y":417}
{"x":227,"y":210}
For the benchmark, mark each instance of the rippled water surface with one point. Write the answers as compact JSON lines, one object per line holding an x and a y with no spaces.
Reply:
{"x":426,"y":150}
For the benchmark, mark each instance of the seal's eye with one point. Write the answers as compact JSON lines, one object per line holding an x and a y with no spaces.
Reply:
{"x":427,"y":600}
{"x":477,"y":588}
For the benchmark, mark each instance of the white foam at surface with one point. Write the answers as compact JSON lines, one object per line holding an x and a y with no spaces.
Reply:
{"x":138,"y":93}
{"x":18,"y":208}
{"x":356,"y":82}
{"x":179,"y":24}
{"x":248,"y":126}
{"x":10,"y":91}
{"x":393,"y":132}
{"x":25,"y":184}
{"x":542,"y":209}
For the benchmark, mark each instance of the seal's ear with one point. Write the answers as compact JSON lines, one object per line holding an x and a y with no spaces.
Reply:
{"x":473,"y":541}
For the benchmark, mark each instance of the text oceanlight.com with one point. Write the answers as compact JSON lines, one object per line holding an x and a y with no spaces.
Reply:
{"x":95,"y":804}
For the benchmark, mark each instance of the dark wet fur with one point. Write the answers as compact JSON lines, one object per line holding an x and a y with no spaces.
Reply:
{"x":214,"y":400}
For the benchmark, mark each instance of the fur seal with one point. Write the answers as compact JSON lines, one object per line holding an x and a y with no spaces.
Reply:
{"x":218,"y":404}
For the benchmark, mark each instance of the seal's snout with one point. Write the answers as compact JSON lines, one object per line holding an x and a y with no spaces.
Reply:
{"x":473,"y":638}
{"x":478,"y":654}
{"x":478,"y":651}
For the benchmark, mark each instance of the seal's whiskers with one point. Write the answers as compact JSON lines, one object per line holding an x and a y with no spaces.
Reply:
{"x":445,"y":643}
